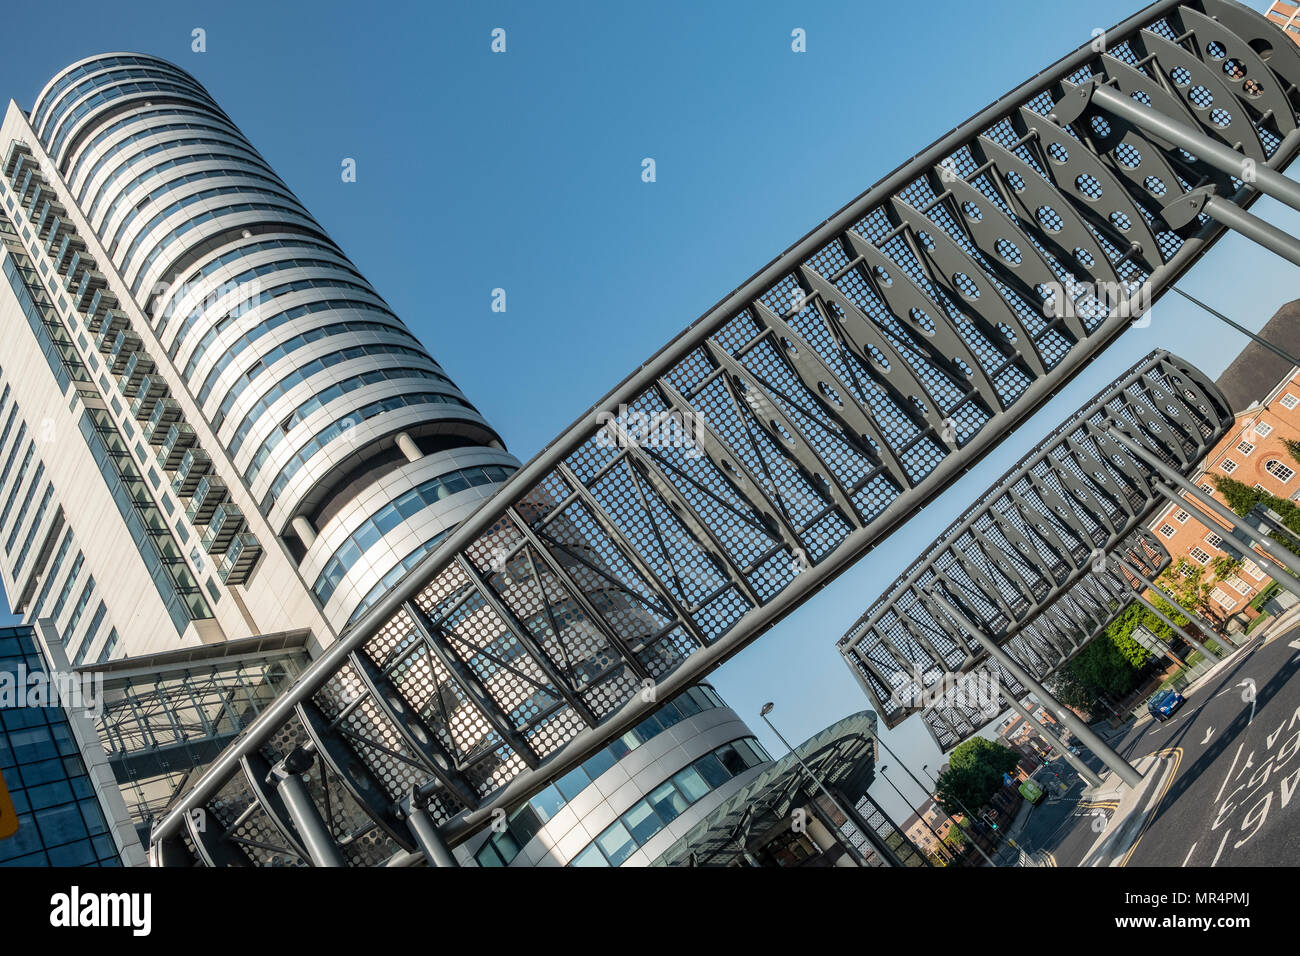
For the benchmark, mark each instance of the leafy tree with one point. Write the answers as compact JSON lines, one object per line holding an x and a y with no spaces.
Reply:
{"x":974,"y":774}
{"x":1241,"y":498}
{"x":1292,"y":447}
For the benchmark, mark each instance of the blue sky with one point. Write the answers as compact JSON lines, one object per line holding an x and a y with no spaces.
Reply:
{"x":522,"y":171}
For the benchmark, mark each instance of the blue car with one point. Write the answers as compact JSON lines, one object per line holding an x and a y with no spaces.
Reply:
{"x":1163,"y":704}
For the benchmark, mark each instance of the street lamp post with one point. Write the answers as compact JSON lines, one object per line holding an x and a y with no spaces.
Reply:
{"x":924,"y":788}
{"x":947,"y":851}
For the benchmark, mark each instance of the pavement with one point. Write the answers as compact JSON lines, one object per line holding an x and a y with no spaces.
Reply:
{"x":1220,"y":777}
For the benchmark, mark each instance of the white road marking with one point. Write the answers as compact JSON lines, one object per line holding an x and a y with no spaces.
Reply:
{"x":1209,"y":732}
{"x":1221,"y":843}
{"x":1248,"y":695}
{"x":1230,"y":769}
{"x":1189,"y":854}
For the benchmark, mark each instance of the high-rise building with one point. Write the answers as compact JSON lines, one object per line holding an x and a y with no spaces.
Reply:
{"x":69,"y":809}
{"x":211,"y":425}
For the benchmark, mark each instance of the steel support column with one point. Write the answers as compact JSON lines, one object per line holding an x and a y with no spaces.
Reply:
{"x":1201,"y":623}
{"x":287,"y":775}
{"x":878,"y":844}
{"x":1081,"y":768}
{"x":1223,"y":158}
{"x":1180,"y":631}
{"x":1069,"y":718}
{"x":1282,"y":556}
{"x":427,"y":837}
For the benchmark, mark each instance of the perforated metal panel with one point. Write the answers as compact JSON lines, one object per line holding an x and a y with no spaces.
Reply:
{"x":806,"y":417}
{"x":1037,"y":562}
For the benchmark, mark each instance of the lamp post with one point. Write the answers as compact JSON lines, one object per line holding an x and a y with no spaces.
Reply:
{"x":947,"y":850}
{"x":924,"y":788}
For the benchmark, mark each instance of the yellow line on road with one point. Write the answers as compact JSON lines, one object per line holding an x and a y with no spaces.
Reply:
{"x":1176,"y":756}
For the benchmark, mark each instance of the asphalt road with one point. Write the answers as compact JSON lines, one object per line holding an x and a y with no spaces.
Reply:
{"x":1234,"y":798}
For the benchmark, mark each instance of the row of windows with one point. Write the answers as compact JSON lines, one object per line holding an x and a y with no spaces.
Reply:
{"x":302,"y":373}
{"x":396,"y":573}
{"x":22,"y":510}
{"x":33,"y":528}
{"x":114,"y":92}
{"x":267,"y":359}
{"x":89,"y":638}
{"x":279,"y":192}
{"x":341,"y":426}
{"x":79,"y":608}
{"x":68,"y":584}
{"x":324,"y":397}
{"x":177,"y":293}
{"x":53,"y":95}
{"x":173,"y":110}
{"x":373,"y":529}
{"x":236,"y":157}
{"x":108,"y":77}
{"x":62,"y":358}
{"x":148,"y":529}
{"x":18,"y":483}
{"x":247,"y":305}
{"x":55,"y":566}
{"x":667,"y":802}
{"x":294,"y":213}
{"x":22,"y":470}
{"x":269,"y":324}
{"x":247,"y":170}
{"x":528,"y":819}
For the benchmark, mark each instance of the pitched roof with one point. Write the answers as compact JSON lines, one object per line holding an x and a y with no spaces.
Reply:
{"x":1256,"y":370}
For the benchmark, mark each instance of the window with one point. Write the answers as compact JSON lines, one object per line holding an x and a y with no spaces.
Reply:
{"x":1245,"y":447}
{"x":1207,"y":488}
{"x":1222,"y":597}
{"x":1199,"y":556}
{"x":1251,"y":568}
{"x":1278,"y":470}
{"x":1262,"y":429}
{"x":1214,"y":540}
{"x":1289,"y":401}
{"x":1238,"y":585}
{"x":1181,"y":516}
{"x":1167,"y":530}
{"x":1228,"y":466}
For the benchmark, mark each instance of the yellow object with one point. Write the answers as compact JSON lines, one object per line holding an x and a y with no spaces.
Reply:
{"x":8,"y":815}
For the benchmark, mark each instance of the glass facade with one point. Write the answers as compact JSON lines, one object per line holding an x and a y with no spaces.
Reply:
{"x":617,"y":842}
{"x":60,"y":820}
{"x":527,"y":820}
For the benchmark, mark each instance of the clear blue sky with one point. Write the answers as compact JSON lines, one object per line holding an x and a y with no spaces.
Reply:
{"x":522,"y":171}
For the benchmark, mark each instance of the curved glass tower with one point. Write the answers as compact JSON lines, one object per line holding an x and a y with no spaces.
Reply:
{"x":282,"y":394}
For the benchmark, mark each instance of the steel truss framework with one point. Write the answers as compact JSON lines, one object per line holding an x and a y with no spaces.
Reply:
{"x":1037,"y":562}
{"x":779,"y":437}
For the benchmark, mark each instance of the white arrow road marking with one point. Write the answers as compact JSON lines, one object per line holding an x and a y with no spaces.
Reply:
{"x":1295,"y":644}
{"x":1221,"y":843}
{"x":1209,"y":732}
{"x":1248,"y":696}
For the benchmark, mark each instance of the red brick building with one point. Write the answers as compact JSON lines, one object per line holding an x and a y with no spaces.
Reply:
{"x":1265,"y":392}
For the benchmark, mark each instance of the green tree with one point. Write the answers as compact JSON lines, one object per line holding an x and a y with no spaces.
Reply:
{"x":1292,"y":447}
{"x":974,"y":774}
{"x":1242,"y":497}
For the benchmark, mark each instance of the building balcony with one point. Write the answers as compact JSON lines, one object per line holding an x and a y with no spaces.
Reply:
{"x":180,"y":437}
{"x":240,"y":559}
{"x":227,"y":522}
{"x":166,"y":411}
{"x":195,"y":463}
{"x":208,"y":496}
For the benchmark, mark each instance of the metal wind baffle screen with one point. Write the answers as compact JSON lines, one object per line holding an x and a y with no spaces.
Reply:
{"x":774,"y":441}
{"x":1037,"y":562}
